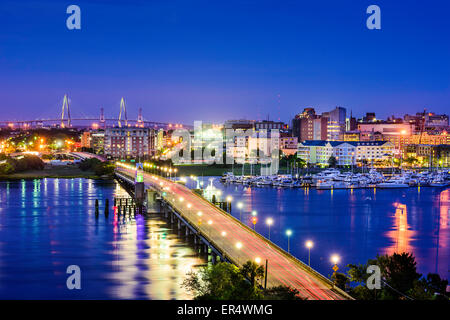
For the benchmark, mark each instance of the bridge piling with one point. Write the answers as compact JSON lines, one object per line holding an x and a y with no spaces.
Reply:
{"x":106,"y":208}
{"x":96,"y":208}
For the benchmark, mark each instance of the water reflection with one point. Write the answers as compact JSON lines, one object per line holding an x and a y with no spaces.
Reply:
{"x":359,"y":223}
{"x":400,"y":233}
{"x":121,"y":257}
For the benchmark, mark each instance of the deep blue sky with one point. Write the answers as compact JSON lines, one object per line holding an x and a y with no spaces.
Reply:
{"x":215,"y":60}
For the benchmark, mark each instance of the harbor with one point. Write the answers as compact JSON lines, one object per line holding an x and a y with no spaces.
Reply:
{"x":335,"y":179}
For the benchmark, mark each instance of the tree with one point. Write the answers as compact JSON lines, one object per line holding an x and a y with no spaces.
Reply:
{"x":399,"y":279}
{"x":252,"y":271}
{"x":6,"y":168}
{"x":301,"y":163}
{"x":401,"y":273}
{"x":281,"y":293}
{"x":340,"y":280}
{"x":222,"y":281}
{"x":332,"y":161}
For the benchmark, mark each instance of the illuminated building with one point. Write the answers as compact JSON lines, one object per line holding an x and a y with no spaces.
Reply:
{"x":129,"y":142}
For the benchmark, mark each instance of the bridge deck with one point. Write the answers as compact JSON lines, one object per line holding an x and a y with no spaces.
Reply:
{"x":283,"y":269}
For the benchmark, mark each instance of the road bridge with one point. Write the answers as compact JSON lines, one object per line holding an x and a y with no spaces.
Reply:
{"x":230,"y":240}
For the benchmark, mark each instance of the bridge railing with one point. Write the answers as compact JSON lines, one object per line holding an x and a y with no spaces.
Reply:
{"x":230,"y":256}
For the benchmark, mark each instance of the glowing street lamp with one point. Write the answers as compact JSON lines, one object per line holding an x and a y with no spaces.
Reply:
{"x":309,"y":244}
{"x":239,"y":245}
{"x":269,"y":222}
{"x":258,"y":260}
{"x":335,"y":260}
{"x":224,"y":233}
{"x":254,"y":213}
{"x":254,"y":221}
{"x":289,"y":234}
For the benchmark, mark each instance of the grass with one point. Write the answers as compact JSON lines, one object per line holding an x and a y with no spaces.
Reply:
{"x":218,"y":170}
{"x":67,"y":172}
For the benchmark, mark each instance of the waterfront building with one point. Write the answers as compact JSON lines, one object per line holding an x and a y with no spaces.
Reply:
{"x":288,"y":145}
{"x":269,"y":125}
{"x":129,"y":142}
{"x":336,"y":123}
{"x":310,"y":126}
{"x":94,"y":140}
{"x":352,"y":135}
{"x":346,"y":152}
{"x":369,"y":117}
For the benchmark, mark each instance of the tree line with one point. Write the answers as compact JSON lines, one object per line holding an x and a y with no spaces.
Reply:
{"x":10,"y":165}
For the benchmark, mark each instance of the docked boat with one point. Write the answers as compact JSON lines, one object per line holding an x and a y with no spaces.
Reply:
{"x":393,"y":183}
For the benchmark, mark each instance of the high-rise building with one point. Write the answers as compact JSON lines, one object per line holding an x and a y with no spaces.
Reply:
{"x":309,"y":126}
{"x":129,"y":142}
{"x":336,"y":123}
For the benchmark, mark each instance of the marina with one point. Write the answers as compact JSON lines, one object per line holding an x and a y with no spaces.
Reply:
{"x":335,"y":179}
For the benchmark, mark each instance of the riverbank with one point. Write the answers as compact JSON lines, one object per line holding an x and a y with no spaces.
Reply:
{"x":63,"y":172}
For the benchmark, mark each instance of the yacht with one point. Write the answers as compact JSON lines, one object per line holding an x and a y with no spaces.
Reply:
{"x":393,"y":183}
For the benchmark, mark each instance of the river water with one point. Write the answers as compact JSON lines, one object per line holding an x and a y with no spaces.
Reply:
{"x":48,"y":224}
{"x":354,"y":224}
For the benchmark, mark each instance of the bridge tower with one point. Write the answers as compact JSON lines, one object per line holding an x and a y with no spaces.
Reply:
{"x":65,"y":108}
{"x":124,"y":110}
{"x":102,"y":118}
{"x":140,"y":119}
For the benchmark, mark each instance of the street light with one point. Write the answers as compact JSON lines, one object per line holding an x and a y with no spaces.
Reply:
{"x":254,"y":213}
{"x":254,"y":221}
{"x":269,"y":222}
{"x":309,"y":244}
{"x":288,"y":233}
{"x":239,"y":245}
{"x":224,"y":233}
{"x":258,"y":260}
{"x":335,"y":259}
{"x":240,"y":205}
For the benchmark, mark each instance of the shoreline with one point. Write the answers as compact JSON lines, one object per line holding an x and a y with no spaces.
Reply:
{"x":54,"y":172}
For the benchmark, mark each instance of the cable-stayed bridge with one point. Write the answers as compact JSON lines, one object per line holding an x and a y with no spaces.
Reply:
{"x":65,"y":120}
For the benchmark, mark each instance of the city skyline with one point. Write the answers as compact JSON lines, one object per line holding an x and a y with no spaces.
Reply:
{"x":223,"y":61}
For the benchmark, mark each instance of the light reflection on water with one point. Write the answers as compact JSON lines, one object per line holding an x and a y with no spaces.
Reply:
{"x":357,"y":224}
{"x":49,"y":224}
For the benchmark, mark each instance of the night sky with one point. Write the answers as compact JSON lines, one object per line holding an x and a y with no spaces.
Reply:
{"x":215,"y":60}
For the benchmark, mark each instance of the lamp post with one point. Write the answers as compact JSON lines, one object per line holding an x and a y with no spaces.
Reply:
{"x":254,"y":221}
{"x":189,"y":207}
{"x":229,"y":199}
{"x":269,"y":222}
{"x":309,"y":244}
{"x":240,"y":205}
{"x":288,"y":233}
{"x":335,"y":260}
